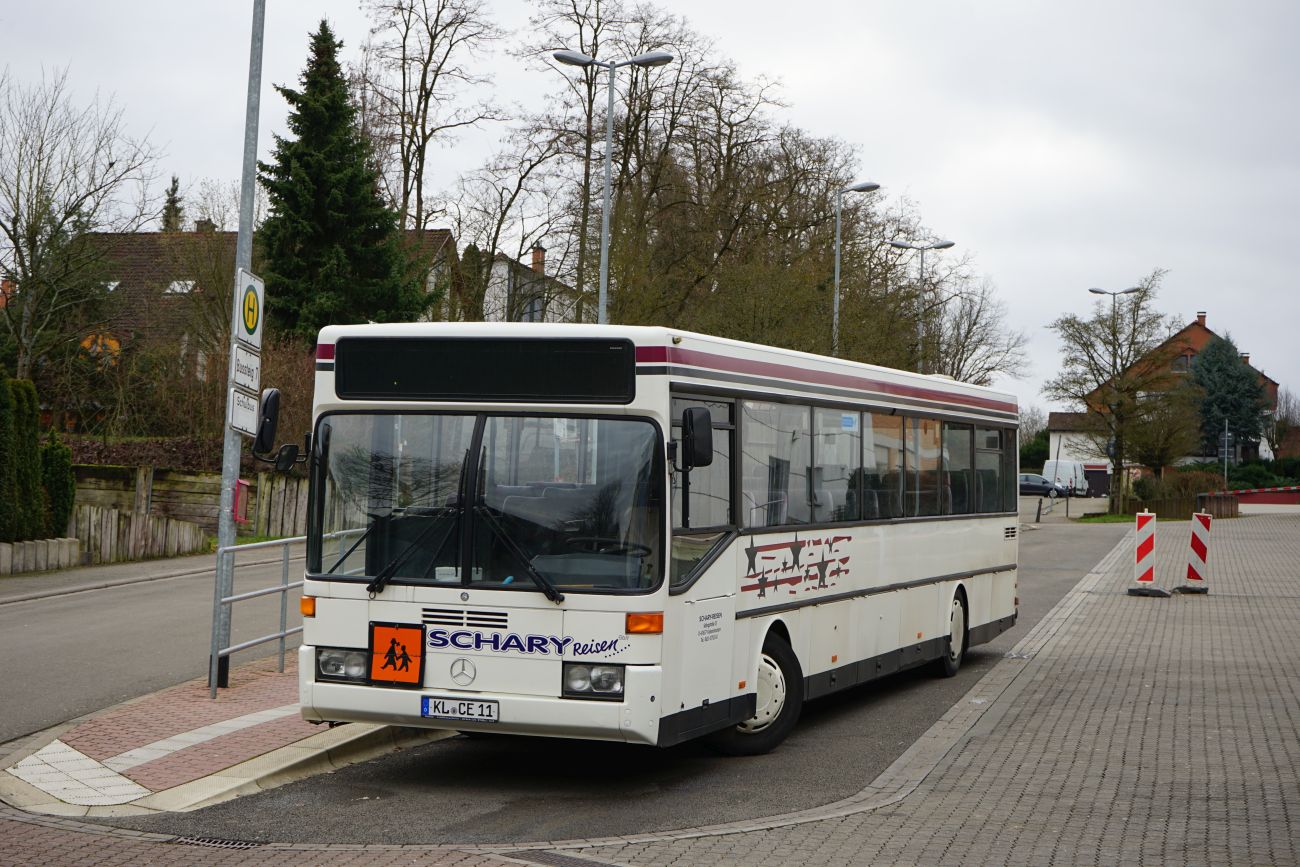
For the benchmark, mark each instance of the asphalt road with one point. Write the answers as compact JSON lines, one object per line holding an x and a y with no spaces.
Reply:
{"x":69,"y":655}
{"x":509,"y":789}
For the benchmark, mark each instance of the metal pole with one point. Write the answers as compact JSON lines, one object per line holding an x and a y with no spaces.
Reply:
{"x":284,"y":600}
{"x":214,"y":659}
{"x":835,"y":299}
{"x":243,"y":259}
{"x":602,"y":314}
{"x":1225,"y":453}
{"x":921,"y":325}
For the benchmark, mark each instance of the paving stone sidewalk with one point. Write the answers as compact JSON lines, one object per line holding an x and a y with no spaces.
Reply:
{"x":126,"y":754}
{"x":1144,"y":731}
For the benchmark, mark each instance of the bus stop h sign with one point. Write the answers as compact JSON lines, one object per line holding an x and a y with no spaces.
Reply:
{"x":252,"y":309}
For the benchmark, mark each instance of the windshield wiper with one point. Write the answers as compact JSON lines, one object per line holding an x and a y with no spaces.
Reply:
{"x":384,"y":575}
{"x":547,"y":587}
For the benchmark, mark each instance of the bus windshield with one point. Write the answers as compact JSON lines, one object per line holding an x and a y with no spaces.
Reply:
{"x":575,"y":503}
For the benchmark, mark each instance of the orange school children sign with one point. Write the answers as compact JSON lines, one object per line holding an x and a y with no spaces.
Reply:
{"x":396,"y":654}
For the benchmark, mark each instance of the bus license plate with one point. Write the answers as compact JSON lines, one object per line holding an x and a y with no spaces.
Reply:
{"x":473,"y":710}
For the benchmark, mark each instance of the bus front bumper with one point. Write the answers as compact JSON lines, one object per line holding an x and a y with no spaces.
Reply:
{"x":635,"y":719}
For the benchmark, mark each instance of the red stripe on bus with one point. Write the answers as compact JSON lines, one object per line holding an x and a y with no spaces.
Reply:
{"x":710,"y":361}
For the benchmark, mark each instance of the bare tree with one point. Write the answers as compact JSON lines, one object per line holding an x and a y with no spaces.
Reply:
{"x":1168,"y":427}
{"x":65,"y":171}
{"x":1032,"y":421}
{"x":974,"y":341}
{"x":416,"y":64}
{"x":584,"y":26}
{"x":1286,"y":419}
{"x":1112,"y":362}
{"x":510,"y":200}
{"x":217,"y":202}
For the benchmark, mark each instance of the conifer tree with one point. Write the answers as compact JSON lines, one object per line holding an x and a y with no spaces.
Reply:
{"x":332,"y":246}
{"x":1232,"y":392}
{"x":173,"y":213}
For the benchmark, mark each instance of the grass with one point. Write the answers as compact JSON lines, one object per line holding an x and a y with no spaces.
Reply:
{"x":1107,"y":519}
{"x":251,"y":540}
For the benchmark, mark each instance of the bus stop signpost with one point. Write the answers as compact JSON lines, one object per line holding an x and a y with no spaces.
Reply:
{"x":245,"y":350}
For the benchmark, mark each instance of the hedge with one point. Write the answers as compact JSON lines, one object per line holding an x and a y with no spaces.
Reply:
{"x":8,"y":468}
{"x":59,"y":481}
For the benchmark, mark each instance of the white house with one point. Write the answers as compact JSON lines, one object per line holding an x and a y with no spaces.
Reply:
{"x":519,"y":293}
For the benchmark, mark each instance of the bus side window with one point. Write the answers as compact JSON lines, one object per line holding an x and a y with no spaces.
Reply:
{"x":710,"y":492}
{"x":837,"y":473}
{"x":710,"y":486}
{"x":775,"y":459}
{"x":989,"y":475}
{"x":957,"y":469}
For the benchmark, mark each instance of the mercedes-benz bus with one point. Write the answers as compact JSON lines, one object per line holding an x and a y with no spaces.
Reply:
{"x":639,"y":534}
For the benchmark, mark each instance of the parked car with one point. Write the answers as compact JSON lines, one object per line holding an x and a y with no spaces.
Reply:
{"x":1035,"y":485}
{"x":1068,"y":474}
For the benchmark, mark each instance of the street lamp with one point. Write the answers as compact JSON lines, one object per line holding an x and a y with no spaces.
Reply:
{"x":1117,"y":483}
{"x":1113,"y":295}
{"x":575,"y":58}
{"x":921,"y":248}
{"x":860,"y":187}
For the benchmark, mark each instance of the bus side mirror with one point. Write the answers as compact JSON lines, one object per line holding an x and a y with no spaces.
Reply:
{"x":286,"y":457}
{"x":267,"y":424}
{"x":697,"y":438}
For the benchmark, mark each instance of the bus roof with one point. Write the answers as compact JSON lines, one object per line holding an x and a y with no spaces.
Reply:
{"x":708,"y":362}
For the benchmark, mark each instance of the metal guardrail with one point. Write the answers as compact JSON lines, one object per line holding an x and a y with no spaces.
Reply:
{"x":219,"y":669}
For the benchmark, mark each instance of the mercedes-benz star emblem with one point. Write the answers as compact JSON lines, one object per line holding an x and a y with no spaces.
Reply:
{"x":462,"y":671}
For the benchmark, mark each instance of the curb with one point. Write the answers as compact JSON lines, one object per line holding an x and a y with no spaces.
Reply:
{"x":325,"y":751}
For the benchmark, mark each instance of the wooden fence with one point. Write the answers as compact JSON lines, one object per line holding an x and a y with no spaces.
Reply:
{"x":1181,"y":508}
{"x":109,"y":535}
{"x":277,"y":504}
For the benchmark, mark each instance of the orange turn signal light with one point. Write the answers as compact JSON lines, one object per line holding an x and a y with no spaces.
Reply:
{"x":646,"y":623}
{"x":307,"y":605}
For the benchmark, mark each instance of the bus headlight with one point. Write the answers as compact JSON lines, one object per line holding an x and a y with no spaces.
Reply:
{"x":341,"y":664}
{"x":584,"y":680}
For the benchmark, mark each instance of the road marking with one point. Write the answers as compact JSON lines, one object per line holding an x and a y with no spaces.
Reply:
{"x":75,"y":778}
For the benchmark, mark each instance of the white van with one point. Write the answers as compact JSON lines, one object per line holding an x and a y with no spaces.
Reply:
{"x":1067,"y":473}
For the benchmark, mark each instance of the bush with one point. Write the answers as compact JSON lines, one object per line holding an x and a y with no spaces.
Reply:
{"x":1289,"y":469}
{"x":1186,"y":484}
{"x":1146,"y":488}
{"x":8,"y":463}
{"x":59,"y":481}
{"x":1251,"y":476}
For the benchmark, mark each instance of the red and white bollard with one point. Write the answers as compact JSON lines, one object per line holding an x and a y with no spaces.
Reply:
{"x":1198,"y":571}
{"x":1144,"y":561}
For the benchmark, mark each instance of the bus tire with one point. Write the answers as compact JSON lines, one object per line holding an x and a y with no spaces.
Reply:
{"x":950,"y":663}
{"x":780,"y":700}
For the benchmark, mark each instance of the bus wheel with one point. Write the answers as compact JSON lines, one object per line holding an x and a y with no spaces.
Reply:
{"x":780,"y":699}
{"x":954,"y":650}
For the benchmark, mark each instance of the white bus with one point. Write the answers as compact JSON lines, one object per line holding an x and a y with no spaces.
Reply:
{"x":639,"y":534}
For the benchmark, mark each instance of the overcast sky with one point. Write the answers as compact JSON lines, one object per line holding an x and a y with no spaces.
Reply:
{"x":1064,"y":144}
